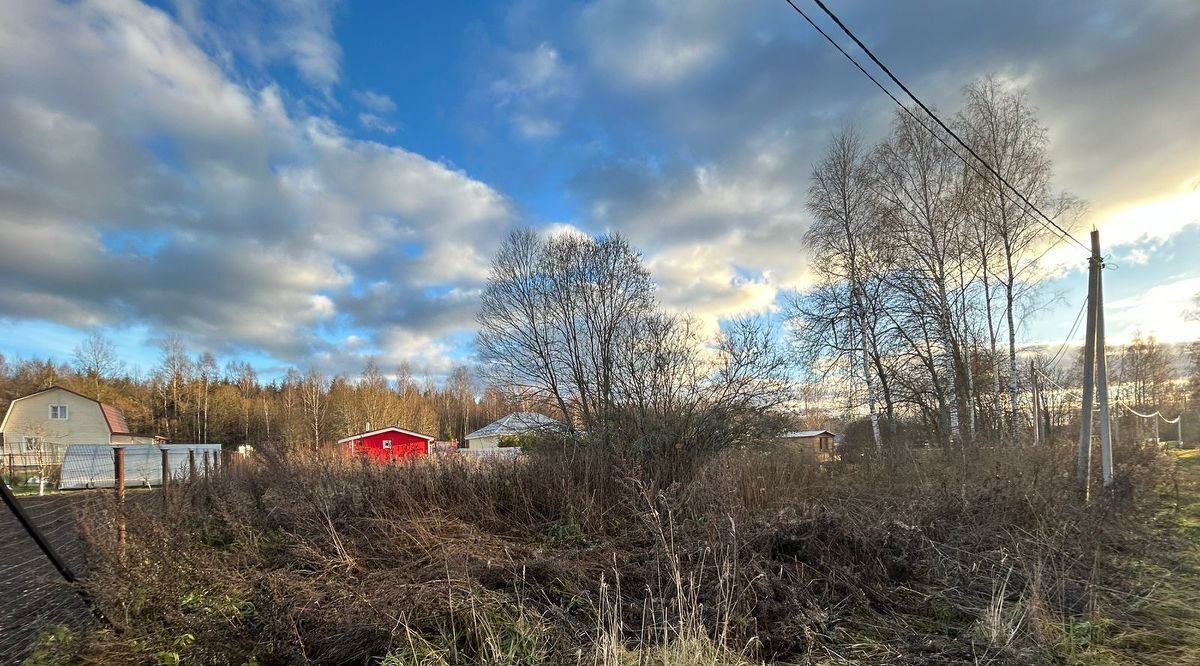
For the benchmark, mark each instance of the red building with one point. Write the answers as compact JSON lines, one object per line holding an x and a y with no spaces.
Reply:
{"x":387,"y":444}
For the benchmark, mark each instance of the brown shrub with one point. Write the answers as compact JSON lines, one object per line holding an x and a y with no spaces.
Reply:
{"x":581,"y":555}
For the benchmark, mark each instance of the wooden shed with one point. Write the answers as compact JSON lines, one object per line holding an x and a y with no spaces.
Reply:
{"x":820,"y":443}
{"x":387,"y":443}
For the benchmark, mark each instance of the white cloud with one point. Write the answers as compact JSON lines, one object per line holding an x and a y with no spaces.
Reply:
{"x":375,"y":102}
{"x":373,"y":122}
{"x":210,"y":209}
{"x":657,"y":43}
{"x":1155,"y":220}
{"x":299,"y":33}
{"x":536,"y":127}
{"x":1162,"y":309}
{"x":537,"y":85}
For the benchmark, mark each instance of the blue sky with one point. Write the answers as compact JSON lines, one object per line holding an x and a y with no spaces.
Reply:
{"x":301,"y":182}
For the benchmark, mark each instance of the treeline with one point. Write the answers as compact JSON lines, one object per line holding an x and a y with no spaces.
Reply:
{"x":193,"y":397}
{"x":1147,"y":376}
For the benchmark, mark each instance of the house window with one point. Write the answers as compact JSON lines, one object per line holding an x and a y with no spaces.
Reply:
{"x":387,"y":443}
{"x":31,"y":445}
{"x":58,"y":412}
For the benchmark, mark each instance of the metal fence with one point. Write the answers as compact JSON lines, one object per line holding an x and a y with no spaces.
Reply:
{"x":42,"y":552}
{"x":37,"y":599}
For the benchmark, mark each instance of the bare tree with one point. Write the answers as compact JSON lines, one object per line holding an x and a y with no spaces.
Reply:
{"x":1002,"y":127}
{"x":572,"y":323}
{"x":312,"y":389}
{"x":844,"y":241}
{"x":924,"y":193}
{"x":553,"y":314}
{"x":174,"y":373}
{"x":96,"y":359}
{"x":206,"y":375}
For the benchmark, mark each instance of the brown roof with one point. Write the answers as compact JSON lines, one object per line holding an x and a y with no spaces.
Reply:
{"x":116,"y":419}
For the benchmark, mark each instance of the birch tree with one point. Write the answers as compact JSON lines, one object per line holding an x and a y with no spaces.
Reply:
{"x":1002,"y":127}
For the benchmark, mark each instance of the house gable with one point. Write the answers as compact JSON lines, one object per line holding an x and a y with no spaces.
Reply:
{"x":57,"y":416}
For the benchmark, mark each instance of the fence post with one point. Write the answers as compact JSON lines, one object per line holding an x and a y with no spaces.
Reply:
{"x":166,"y":473}
{"x":206,"y":464}
{"x":191,"y":464}
{"x":119,"y":485}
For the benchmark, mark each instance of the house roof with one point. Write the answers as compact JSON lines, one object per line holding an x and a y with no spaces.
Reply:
{"x":515,"y":424}
{"x":800,"y":434}
{"x":113,"y":416}
{"x":428,"y":438}
{"x":116,"y":419}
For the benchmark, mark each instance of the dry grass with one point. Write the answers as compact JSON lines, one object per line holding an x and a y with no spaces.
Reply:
{"x":584,"y":558}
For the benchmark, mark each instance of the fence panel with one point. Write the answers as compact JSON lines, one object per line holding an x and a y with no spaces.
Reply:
{"x":35,"y":599}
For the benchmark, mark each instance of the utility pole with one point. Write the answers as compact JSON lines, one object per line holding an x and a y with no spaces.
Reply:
{"x":1083,"y":471}
{"x":1095,"y":377}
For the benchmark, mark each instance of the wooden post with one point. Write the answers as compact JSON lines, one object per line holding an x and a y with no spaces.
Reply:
{"x":206,"y":463}
{"x":191,"y":464}
{"x":1117,"y":419}
{"x":165,"y":457}
{"x":1037,"y":417}
{"x":1083,"y":470}
{"x":119,"y":486}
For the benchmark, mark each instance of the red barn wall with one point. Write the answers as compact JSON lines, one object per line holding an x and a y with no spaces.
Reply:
{"x":404,"y":445}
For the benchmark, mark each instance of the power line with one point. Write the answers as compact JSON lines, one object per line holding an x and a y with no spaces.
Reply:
{"x":1045,"y":220}
{"x":944,"y":126}
{"x":1074,"y":393}
{"x":1074,"y":327}
{"x":1157,"y":413}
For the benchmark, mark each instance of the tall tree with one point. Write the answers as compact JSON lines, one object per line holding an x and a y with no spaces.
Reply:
{"x":96,"y":359}
{"x":844,"y":240}
{"x":1002,"y":127}
{"x":553,"y":314}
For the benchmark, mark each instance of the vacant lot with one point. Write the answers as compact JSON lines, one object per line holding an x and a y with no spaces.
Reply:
{"x":581,"y":557}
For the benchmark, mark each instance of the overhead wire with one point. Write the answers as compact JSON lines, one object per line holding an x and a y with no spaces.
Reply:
{"x":1045,"y":220}
{"x":1157,"y":413}
{"x":1074,"y":327}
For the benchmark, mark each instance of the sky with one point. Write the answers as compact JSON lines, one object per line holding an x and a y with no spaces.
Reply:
{"x":311,"y":182}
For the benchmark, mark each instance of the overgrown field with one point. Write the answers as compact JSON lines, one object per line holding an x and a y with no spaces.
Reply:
{"x":581,"y":557}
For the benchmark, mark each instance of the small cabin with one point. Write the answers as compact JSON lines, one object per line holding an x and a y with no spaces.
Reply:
{"x":387,"y":444}
{"x":820,"y":443}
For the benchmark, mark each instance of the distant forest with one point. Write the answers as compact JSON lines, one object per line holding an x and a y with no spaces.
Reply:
{"x":194,"y":397}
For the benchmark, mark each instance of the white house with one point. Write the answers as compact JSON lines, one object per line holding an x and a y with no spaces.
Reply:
{"x":46,"y":422}
{"x":517,"y":423}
